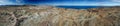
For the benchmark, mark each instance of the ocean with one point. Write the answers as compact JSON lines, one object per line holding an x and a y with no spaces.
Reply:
{"x":79,"y":7}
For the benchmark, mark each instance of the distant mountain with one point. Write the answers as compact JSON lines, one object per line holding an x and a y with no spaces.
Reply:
{"x":53,"y":16}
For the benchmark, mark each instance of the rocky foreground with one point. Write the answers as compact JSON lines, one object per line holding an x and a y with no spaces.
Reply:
{"x":51,"y":16}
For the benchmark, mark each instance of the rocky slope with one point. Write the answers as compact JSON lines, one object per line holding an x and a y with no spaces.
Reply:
{"x":51,"y":16}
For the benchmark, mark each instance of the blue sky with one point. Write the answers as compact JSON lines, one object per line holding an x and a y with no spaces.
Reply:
{"x":63,"y":2}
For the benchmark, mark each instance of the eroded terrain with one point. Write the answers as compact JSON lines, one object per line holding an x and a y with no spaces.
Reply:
{"x":51,"y":16}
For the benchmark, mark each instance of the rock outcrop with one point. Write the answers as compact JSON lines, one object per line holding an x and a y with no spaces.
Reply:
{"x":51,"y":16}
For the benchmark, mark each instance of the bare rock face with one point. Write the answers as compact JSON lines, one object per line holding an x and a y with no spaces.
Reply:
{"x":51,"y":16}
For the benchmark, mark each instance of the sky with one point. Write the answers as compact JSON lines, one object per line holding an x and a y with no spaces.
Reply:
{"x":62,"y":2}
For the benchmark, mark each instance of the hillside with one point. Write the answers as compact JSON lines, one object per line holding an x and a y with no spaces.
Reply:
{"x":52,"y":16}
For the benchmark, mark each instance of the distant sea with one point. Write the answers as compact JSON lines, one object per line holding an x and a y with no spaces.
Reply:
{"x":79,"y":7}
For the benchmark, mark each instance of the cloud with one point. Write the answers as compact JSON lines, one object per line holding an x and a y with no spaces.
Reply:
{"x":62,"y":2}
{"x":18,"y":1}
{"x":116,"y":0}
{"x":108,"y":3}
{"x":10,"y":2}
{"x":4,"y":2}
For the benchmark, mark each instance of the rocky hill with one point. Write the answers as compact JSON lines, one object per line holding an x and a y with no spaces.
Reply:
{"x":52,"y":16}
